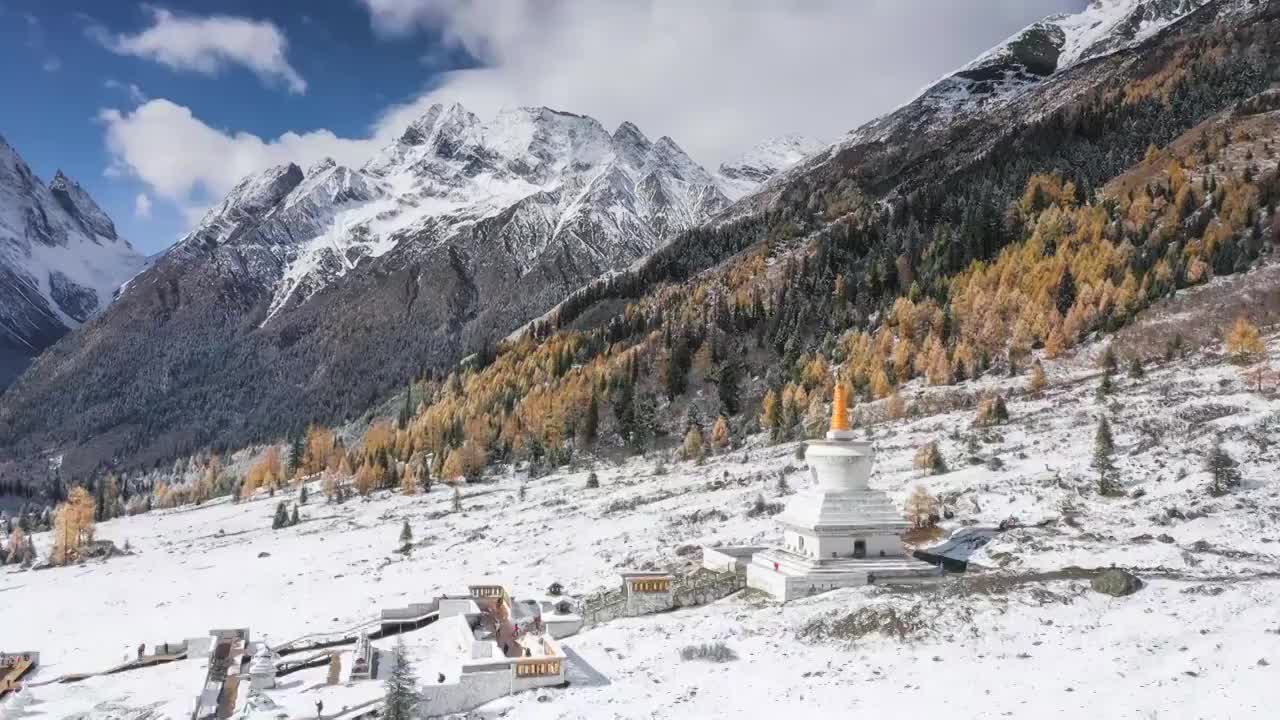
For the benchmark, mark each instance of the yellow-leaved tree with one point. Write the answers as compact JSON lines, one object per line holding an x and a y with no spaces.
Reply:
{"x":720,"y":434}
{"x":72,"y":526}
{"x":1243,"y":341}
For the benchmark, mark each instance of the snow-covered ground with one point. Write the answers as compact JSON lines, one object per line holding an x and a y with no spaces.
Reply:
{"x":1022,"y":636}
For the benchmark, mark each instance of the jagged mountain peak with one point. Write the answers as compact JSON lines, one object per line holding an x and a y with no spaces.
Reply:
{"x":77,"y":202}
{"x":61,"y":260}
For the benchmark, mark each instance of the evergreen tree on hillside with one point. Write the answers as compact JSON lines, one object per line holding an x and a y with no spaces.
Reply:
{"x":424,"y":476}
{"x":406,"y":534}
{"x":1223,"y":470}
{"x":402,"y":693}
{"x":1106,"y":387}
{"x":644,"y":424}
{"x":1103,"y":450}
{"x":589,"y":425}
{"x":726,"y":379}
{"x":281,"y":518}
{"x":302,"y":495}
{"x":294,"y":519}
{"x":1136,"y":370}
{"x":1065,"y":294}
{"x":293,"y":461}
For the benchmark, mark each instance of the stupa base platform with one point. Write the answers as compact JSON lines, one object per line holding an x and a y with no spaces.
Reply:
{"x":788,"y":576}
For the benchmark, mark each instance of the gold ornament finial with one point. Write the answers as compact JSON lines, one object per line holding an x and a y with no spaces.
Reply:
{"x":839,"y":410}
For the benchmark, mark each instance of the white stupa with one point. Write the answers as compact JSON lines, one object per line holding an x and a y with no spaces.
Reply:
{"x":262,"y":669}
{"x":839,"y":532}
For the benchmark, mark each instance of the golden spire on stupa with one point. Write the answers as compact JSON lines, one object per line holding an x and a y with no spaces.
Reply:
{"x":839,"y":410}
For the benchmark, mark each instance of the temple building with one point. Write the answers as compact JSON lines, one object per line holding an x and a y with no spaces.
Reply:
{"x":837,"y":533}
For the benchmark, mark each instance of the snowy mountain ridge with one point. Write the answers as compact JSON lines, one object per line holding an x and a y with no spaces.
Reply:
{"x":743,"y":176}
{"x":1042,"y":50}
{"x":556,"y":179}
{"x":61,"y":260}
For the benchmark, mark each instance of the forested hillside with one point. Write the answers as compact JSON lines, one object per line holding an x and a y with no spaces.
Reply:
{"x":1158,"y":176}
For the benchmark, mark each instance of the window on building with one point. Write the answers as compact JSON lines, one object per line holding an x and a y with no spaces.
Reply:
{"x":859,"y":548}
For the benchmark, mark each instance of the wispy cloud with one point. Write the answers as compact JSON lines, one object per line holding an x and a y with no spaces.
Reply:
{"x":135,"y":93}
{"x":208,"y":45}
{"x":142,"y":206}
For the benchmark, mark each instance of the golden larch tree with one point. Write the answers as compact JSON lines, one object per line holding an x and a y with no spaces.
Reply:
{"x":922,"y":508}
{"x":1243,"y":341}
{"x":720,"y":437}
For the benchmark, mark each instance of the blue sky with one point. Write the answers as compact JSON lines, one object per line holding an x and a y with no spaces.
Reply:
{"x":158,"y":109}
{"x":56,"y":77}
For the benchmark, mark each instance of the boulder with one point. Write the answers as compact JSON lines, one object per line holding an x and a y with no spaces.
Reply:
{"x":1116,"y":583}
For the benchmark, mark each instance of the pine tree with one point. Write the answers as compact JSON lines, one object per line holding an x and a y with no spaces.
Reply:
{"x":590,"y":423}
{"x":644,"y":423}
{"x":296,"y":451}
{"x":402,"y":694}
{"x":406,"y":534}
{"x":302,"y":495}
{"x":1223,"y":470}
{"x":1103,"y":450}
{"x":1136,"y":370}
{"x":294,"y":519}
{"x":1106,"y":387}
{"x":281,"y":518}
{"x":424,"y":476}
{"x":726,"y":379}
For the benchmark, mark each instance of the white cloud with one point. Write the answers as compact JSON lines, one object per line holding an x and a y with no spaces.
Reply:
{"x":184,"y":160}
{"x":142,"y":206}
{"x":717,"y":76}
{"x":51,"y":64}
{"x":209,"y":44}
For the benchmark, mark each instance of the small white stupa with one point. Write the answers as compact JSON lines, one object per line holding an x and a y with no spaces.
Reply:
{"x":262,"y":669}
{"x":839,"y":532}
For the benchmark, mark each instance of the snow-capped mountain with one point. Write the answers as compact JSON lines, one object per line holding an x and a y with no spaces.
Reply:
{"x":1037,"y":70}
{"x":554,"y":179}
{"x":1044,"y":49}
{"x":309,"y":293}
{"x":744,"y":175}
{"x":61,"y":260}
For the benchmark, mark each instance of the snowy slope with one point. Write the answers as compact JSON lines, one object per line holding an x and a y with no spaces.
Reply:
{"x":60,"y":259}
{"x":1021,"y":636}
{"x":1029,"y":74}
{"x":1048,"y":47}
{"x":744,"y":175}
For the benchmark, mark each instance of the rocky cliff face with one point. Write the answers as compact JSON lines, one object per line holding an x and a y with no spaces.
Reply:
{"x":60,"y":261}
